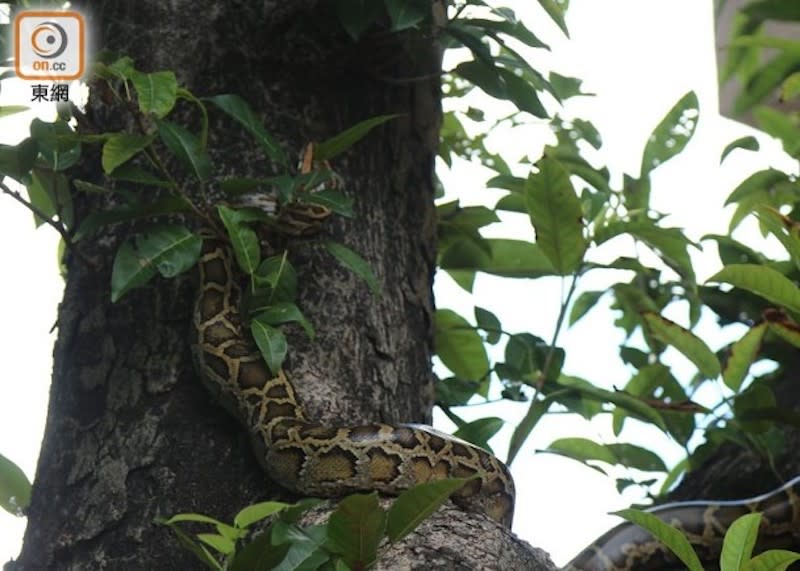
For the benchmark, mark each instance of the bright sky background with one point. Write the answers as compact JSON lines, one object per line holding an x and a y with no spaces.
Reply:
{"x":639,"y":57}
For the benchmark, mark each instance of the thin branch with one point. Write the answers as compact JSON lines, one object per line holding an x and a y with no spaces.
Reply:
{"x":49,"y":221}
{"x":41,"y":215}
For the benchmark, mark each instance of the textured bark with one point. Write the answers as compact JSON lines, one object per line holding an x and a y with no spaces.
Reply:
{"x":131,"y":435}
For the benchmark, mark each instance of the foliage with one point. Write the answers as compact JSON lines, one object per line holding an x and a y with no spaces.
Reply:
{"x":352,"y":538}
{"x":575,"y":212}
{"x":15,"y":489}
{"x":737,"y":547}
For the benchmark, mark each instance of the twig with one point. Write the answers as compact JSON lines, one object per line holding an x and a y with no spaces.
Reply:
{"x":47,"y":220}
{"x":41,"y":215}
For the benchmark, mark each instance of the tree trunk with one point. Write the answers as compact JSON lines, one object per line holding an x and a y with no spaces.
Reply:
{"x":131,"y":434}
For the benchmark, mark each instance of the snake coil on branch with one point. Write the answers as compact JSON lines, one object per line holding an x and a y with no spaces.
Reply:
{"x":306,"y":457}
{"x":628,"y":547}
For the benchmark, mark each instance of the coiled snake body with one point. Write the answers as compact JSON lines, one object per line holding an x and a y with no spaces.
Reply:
{"x":306,"y":457}
{"x":314,"y":460}
{"x":628,"y":547}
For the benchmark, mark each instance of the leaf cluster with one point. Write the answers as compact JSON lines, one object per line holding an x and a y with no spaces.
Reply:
{"x":352,"y":539}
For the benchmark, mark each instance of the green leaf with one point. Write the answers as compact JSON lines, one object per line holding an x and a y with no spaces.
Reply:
{"x":120,"y":147}
{"x":672,"y":134}
{"x":218,"y":542}
{"x":131,"y":173}
{"x":354,"y":263}
{"x":49,"y":192}
{"x":259,"y":555}
{"x":453,"y":391}
{"x":296,"y":510}
{"x":567,"y":87}
{"x":522,"y":93}
{"x":16,"y":161}
{"x":582,"y":449}
{"x":739,"y":542}
{"x":556,"y":214}
{"x":195,"y":548}
{"x":511,"y":27}
{"x":584,"y":302}
{"x":784,"y":228}
{"x":669,"y":536}
{"x":535,"y":412}
{"x":508,"y":258}
{"x":243,"y":238}
{"x":333,"y":200}
{"x":676,"y":472}
{"x":6,"y":110}
{"x":691,"y":346}
{"x":750,"y":406}
{"x":763,"y":281}
{"x":772,"y":560}
{"x":271,"y":342}
{"x":632,"y":456}
{"x":59,"y":145}
{"x":184,"y":93}
{"x":356,"y":528}
{"x":306,"y":549}
{"x":488,"y":321}
{"x":749,"y":143}
{"x":555,"y":9}
{"x":775,"y":123}
{"x":791,"y":87}
{"x":285,"y":312}
{"x":620,"y":399}
{"x":784,"y":327}
{"x":742,"y":354}
{"x":405,"y":14}
{"x":764,"y":80}
{"x":238,"y":108}
{"x":15,"y":488}
{"x":186,"y":147}
{"x":502,"y":83}
{"x":256,"y":512}
{"x":193,"y":517}
{"x":415,"y":504}
{"x":172,"y":249}
{"x":336,"y":145}
{"x":129,"y":271}
{"x":671,"y":243}
{"x":122,"y":68}
{"x":459,"y":346}
{"x":124,"y":212}
{"x":478,"y":432}
{"x":156,"y":92}
{"x":757,"y":182}
{"x":280,"y":276}
{"x":168,"y":250}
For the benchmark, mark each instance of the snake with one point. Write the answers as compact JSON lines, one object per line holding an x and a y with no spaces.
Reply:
{"x":628,"y":547}
{"x":307,"y":457}
{"x":311,"y":459}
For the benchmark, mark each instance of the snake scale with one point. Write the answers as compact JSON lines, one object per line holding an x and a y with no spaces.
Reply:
{"x":310,"y":459}
{"x":306,"y":457}
{"x":628,"y":547}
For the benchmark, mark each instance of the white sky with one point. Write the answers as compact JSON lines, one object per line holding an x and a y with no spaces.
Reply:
{"x":639,"y":57}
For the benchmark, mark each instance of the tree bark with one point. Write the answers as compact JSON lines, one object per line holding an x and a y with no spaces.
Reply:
{"x":131,"y":434}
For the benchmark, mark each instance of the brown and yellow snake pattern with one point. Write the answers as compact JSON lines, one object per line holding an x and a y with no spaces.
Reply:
{"x":628,"y":547}
{"x":306,"y":457}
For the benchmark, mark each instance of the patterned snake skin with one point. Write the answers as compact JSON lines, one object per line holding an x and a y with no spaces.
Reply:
{"x":628,"y":547}
{"x":325,"y":461}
